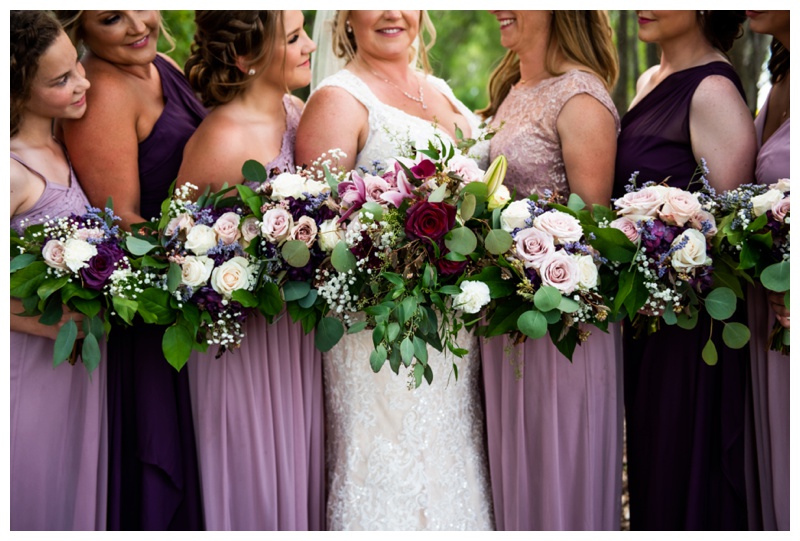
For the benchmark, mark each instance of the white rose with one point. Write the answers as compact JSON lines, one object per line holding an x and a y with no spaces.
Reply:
{"x":561,"y":271}
{"x":466,"y":168}
{"x":288,"y":185}
{"x":195,"y":270}
{"x":643,"y":204}
{"x":499,"y":198}
{"x":764,"y":202}
{"x":515,"y":216}
{"x":200,"y":239}
{"x":231,"y":276}
{"x":474,"y":296}
{"x":276,"y":224}
{"x":693,"y":254}
{"x":227,"y":227}
{"x":53,"y":253}
{"x":782,"y":185}
{"x":679,"y":206}
{"x":532,"y":246}
{"x":330,"y":234}
{"x":587,"y":278}
{"x":314,"y":188}
{"x":77,"y":253}
{"x":562,"y":226}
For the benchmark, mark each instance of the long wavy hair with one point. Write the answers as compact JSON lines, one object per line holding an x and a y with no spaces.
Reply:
{"x":345,"y":46}
{"x":778,"y":61}
{"x":223,"y":38}
{"x":32,"y":34}
{"x":581,"y":36}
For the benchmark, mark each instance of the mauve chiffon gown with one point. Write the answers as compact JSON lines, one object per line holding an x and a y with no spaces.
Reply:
{"x":259,"y":419}
{"x":554,"y":428}
{"x":58,"y":426}
{"x":153,"y":479}
{"x":684,"y":419}
{"x":768,"y":494}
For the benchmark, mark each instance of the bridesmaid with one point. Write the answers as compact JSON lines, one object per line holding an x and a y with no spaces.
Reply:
{"x":769,"y":509}
{"x":554,"y":427}
{"x":685,"y":419}
{"x":129,"y":146}
{"x":58,"y":438}
{"x":257,"y":410}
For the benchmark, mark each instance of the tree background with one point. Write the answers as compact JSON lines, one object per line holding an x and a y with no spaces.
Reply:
{"x":468,"y":48}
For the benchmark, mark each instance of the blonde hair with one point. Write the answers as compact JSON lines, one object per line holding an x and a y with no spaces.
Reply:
{"x":71,"y":22}
{"x":344,"y":43}
{"x":581,"y":36}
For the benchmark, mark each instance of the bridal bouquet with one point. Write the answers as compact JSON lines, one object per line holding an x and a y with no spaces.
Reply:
{"x":552,"y":274}
{"x":72,"y":261}
{"x":404,"y":251}
{"x":753,"y":241}
{"x":203,"y":269}
{"x":671,"y":276}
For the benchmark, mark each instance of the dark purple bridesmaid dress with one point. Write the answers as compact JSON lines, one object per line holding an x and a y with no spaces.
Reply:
{"x":153,"y":478}
{"x":684,"y":419}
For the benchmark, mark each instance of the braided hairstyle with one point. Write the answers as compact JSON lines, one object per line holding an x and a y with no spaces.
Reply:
{"x":32,"y":34}
{"x":221,"y":39}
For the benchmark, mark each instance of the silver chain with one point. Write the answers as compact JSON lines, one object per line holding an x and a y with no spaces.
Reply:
{"x":420,"y":100}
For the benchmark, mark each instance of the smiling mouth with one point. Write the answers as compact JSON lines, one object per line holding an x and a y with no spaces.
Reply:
{"x":506,"y":22}
{"x":80,"y":102}
{"x":390,"y":31}
{"x":141,"y":43}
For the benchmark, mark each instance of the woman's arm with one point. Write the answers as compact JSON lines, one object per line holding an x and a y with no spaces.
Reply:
{"x":104,"y":148}
{"x":31,"y":325}
{"x":331,"y":119}
{"x":723,"y":133}
{"x":588,"y":135}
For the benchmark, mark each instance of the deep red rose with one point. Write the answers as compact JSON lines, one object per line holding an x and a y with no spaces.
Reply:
{"x":424,"y":169}
{"x":430,"y":220}
{"x":449,"y":268}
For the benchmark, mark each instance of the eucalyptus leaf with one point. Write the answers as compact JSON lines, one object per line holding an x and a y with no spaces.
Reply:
{"x":407,"y":350}
{"x":533,"y":324}
{"x":547,"y":298}
{"x":90,"y":352}
{"x":437,"y":195}
{"x":720,"y":303}
{"x":373,"y":208}
{"x":174,"y":276}
{"x":575,"y":202}
{"x":342,"y":258}
{"x":552,"y":316}
{"x":498,"y":241}
{"x":254,"y":171}
{"x":329,"y":331}
{"x":393,"y":332}
{"x":309,"y":300}
{"x":461,"y":240}
{"x":420,"y":350}
{"x":21,"y":261}
{"x":568,"y":305}
{"x":419,"y":370}
{"x":735,"y":335}
{"x":137,"y":246}
{"x":294,"y":291}
{"x":777,"y":277}
{"x":357,"y":327}
{"x":296,"y":253}
{"x":686,"y":321}
{"x":669,"y":316}
{"x":377,"y":358}
{"x":65,"y":340}
{"x":468,"y":205}
{"x":710,"y":353}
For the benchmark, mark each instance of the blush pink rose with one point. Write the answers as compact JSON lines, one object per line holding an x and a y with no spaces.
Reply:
{"x":305,"y":230}
{"x":701,"y":216}
{"x":250,"y":229}
{"x":184,"y":222}
{"x":466,"y":168}
{"x":227,"y":227}
{"x":53,"y":253}
{"x":563,"y":227}
{"x":375,"y":187}
{"x":532,"y":246}
{"x":641,"y":205}
{"x":89,"y":233}
{"x":679,"y":206}
{"x":276,"y":224}
{"x":627,"y":226}
{"x":561,"y":271}
{"x":781,"y":209}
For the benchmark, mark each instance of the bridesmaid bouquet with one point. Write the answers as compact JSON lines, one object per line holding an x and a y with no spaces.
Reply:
{"x":75,"y":261}
{"x":671,"y":276}
{"x":552,"y":274}
{"x":204,"y":271}
{"x":753,"y":242}
{"x":404,"y":251}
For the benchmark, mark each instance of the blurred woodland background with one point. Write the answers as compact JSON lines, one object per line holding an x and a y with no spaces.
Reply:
{"x":468,"y":48}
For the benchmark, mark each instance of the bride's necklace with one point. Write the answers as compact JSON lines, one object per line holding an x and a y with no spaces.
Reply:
{"x":420,"y":100}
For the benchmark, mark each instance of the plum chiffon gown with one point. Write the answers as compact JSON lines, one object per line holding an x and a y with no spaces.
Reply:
{"x":554,"y":428}
{"x":58,"y":425}
{"x":768,"y":493}
{"x":153,"y":479}
{"x":259,"y":418}
{"x":684,"y":419}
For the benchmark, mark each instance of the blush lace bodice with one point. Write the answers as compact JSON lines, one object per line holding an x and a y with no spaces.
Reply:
{"x":529,"y":137}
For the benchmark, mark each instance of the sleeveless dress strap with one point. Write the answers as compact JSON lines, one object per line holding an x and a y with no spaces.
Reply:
{"x":18,"y":158}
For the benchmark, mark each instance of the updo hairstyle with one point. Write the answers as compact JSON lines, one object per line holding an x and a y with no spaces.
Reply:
{"x":721,"y":28}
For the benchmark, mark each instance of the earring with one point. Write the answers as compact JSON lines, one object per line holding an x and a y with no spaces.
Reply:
{"x":347,"y":27}
{"x":251,"y":71}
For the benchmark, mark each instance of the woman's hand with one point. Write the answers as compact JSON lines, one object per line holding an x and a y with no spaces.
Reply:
{"x":777,"y":305}
{"x":31,"y":325}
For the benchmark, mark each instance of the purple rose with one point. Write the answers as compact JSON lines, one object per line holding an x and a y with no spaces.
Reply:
{"x":430,"y":220}
{"x":96,"y":273}
{"x":424,"y":169}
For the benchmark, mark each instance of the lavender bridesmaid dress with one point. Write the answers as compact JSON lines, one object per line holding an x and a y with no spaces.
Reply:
{"x":153,"y":479}
{"x":58,"y":425}
{"x":554,"y":428}
{"x":259,"y":419}
{"x":768,"y":494}
{"x":684,"y":419}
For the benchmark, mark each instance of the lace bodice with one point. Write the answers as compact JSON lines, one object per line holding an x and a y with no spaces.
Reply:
{"x":529,"y":138}
{"x":400,"y":458}
{"x":389,"y":126}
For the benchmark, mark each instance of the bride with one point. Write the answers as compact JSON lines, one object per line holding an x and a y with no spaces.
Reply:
{"x":398,"y":458}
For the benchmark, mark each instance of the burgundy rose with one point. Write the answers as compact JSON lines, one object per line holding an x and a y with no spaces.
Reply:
{"x":100,"y":267}
{"x":430,"y":220}
{"x":424,"y":169}
{"x":449,"y":268}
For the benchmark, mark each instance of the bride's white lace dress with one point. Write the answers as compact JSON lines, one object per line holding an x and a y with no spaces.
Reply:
{"x":401,"y":458}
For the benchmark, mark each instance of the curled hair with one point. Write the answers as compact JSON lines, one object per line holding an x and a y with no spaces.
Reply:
{"x":778,"y":61}
{"x":345,"y":46}
{"x":581,"y":36}
{"x":71,"y":22}
{"x":221,"y":39}
{"x":32,"y":34}
{"x":721,"y":28}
